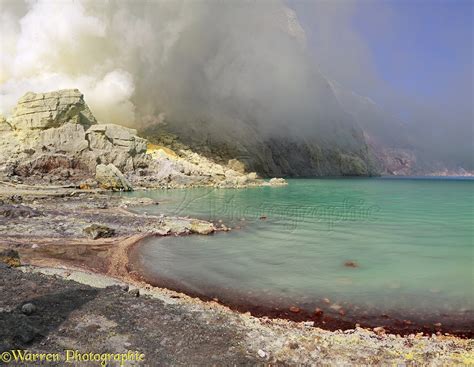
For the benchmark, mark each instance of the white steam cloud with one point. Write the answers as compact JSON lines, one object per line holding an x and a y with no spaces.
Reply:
{"x":49,"y":45}
{"x":137,"y":59}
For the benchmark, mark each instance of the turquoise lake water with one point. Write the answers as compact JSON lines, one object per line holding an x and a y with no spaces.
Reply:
{"x":411,"y":241}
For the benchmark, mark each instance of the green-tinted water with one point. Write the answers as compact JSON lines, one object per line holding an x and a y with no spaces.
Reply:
{"x":412,"y":242}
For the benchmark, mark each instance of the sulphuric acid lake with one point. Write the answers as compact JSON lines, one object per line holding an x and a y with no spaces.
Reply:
{"x":380,"y":252}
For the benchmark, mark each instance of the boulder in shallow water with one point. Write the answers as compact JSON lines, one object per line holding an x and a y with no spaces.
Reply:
{"x":351,"y":264}
{"x":278,"y":182}
{"x":201,"y":227}
{"x":110,"y":178}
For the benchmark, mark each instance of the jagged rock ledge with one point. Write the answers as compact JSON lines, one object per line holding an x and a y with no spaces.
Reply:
{"x":53,"y":138}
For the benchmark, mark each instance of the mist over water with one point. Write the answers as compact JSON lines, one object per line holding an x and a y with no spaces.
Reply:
{"x":229,"y":64}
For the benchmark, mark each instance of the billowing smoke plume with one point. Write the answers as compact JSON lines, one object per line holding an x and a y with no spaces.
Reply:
{"x":136,"y":60}
{"x":229,"y":64}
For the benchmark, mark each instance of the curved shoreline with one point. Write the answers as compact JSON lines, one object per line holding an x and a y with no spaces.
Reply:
{"x":121,"y":265}
{"x":102,"y":262}
{"x":326,"y":318}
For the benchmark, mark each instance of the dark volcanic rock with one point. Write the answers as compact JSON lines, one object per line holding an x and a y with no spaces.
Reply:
{"x":28,"y":308}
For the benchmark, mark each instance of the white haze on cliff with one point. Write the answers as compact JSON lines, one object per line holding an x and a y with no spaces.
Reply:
{"x":230,"y":64}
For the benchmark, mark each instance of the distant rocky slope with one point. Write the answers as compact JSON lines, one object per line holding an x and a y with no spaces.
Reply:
{"x":288,"y":156}
{"x":54,"y":138}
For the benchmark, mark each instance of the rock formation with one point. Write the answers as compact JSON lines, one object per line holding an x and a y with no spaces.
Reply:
{"x":53,"y":109}
{"x":54,"y":138}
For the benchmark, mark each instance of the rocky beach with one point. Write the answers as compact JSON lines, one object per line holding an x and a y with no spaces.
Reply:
{"x":86,"y":298}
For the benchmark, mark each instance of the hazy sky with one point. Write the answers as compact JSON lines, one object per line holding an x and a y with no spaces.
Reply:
{"x":412,"y":57}
{"x":422,"y":48}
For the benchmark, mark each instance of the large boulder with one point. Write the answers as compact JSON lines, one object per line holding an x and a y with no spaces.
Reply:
{"x":105,"y":136}
{"x":69,"y":138}
{"x":118,"y":145}
{"x":236,"y":165}
{"x":110,"y":178}
{"x":53,"y":109}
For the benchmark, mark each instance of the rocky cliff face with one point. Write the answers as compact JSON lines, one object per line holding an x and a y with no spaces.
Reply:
{"x":275,"y":156}
{"x":54,"y":138}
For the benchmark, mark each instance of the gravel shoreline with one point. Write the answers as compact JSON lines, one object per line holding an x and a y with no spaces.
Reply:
{"x":78,"y":288}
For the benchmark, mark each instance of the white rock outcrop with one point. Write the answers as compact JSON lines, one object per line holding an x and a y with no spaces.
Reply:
{"x":53,"y":109}
{"x":58,"y":130}
{"x":110,"y":178}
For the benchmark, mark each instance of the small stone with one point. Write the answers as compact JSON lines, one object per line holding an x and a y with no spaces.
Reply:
{"x":351,"y":264}
{"x":263,"y":217}
{"x":318,"y":312}
{"x":379,"y":330}
{"x":293,"y":345}
{"x":262,"y":354}
{"x":96,"y":231}
{"x":294,"y":309}
{"x":326,"y":300}
{"x":438,"y":324}
{"x":10,"y":257}
{"x":28,"y":308}
{"x":84,"y":186}
{"x":16,"y":198}
{"x":124,"y":287}
{"x":134,"y":292}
